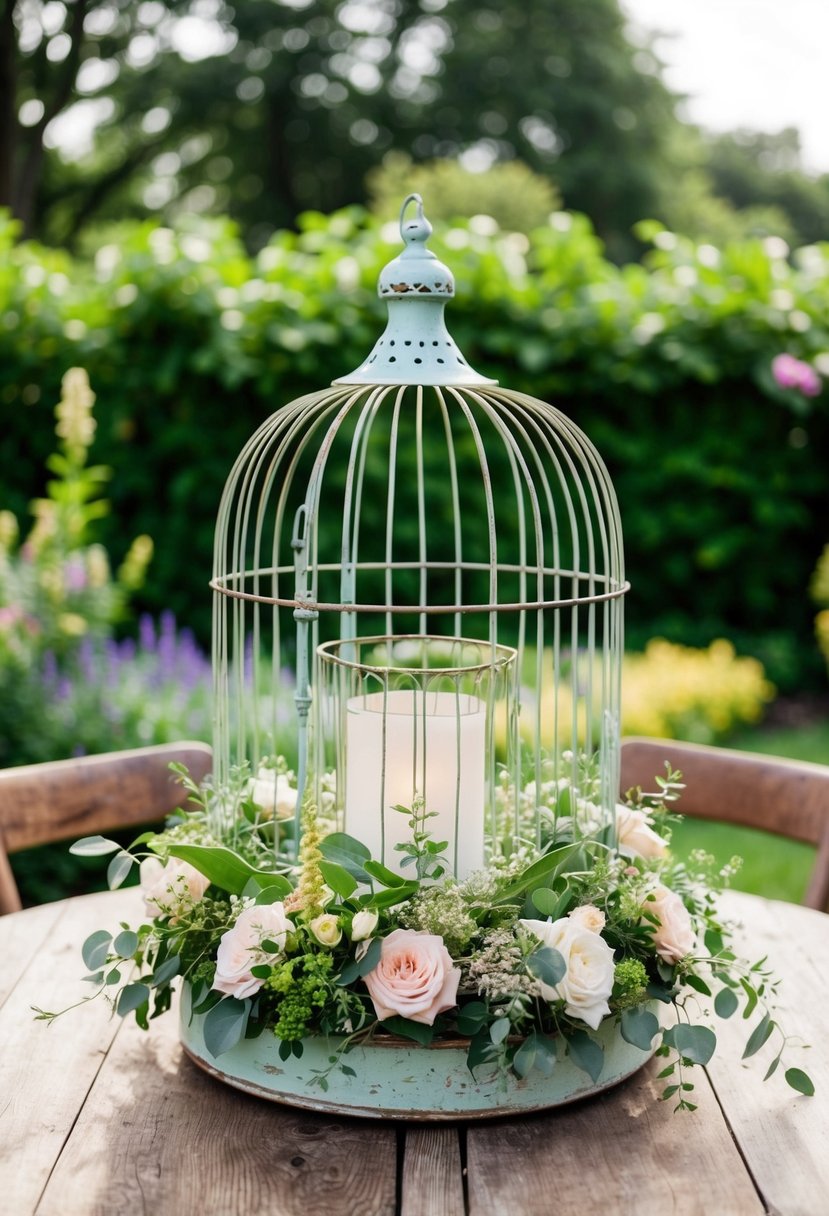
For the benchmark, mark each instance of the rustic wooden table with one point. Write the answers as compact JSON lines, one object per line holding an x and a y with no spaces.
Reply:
{"x":98,"y":1117}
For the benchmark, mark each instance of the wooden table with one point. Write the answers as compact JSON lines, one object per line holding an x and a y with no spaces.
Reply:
{"x":98,"y":1117}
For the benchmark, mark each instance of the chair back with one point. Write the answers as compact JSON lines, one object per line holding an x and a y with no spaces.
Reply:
{"x":42,"y":803}
{"x":786,"y":797}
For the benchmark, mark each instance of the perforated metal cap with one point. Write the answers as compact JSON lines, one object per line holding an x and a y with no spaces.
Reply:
{"x":416,"y":347}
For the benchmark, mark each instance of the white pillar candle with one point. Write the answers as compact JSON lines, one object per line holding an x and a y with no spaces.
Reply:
{"x":449,"y":772}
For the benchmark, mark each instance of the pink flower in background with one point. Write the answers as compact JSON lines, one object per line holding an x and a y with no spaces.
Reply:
{"x":790,"y":372}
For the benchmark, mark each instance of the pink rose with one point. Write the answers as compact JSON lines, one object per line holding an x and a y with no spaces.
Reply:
{"x":172,"y":889}
{"x":415,"y":977}
{"x":635,"y":836}
{"x":241,"y":948}
{"x":673,"y":936}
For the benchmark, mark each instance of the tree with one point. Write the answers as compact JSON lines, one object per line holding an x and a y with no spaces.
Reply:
{"x":303,"y":97}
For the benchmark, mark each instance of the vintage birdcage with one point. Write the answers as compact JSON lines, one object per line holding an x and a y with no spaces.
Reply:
{"x":418,"y":590}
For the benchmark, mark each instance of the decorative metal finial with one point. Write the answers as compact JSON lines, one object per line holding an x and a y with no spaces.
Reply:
{"x":416,"y":347}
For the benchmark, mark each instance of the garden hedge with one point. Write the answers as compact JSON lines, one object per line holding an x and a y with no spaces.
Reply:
{"x":190,"y":344}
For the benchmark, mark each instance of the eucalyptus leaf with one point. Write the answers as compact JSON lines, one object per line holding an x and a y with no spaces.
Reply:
{"x":726,"y":1002}
{"x":800,"y":1081}
{"x":585,"y":1053}
{"x":225,"y":1025}
{"x":125,"y":944}
{"x":471,"y":1018}
{"x":118,"y":869}
{"x":131,"y":998}
{"x":418,"y":1031}
{"x":94,"y":846}
{"x":638,"y":1027}
{"x":499,"y":1030}
{"x":166,"y":971}
{"x":759,"y":1035}
{"x":694,"y":1043}
{"x":548,"y":965}
{"x":524,"y":1059}
{"x":96,"y":948}
{"x":546,"y":901}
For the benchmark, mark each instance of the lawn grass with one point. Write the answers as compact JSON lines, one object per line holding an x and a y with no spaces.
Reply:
{"x":772,"y":866}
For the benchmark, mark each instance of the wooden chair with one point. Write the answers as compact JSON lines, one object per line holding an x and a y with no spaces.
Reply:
{"x":42,"y":803}
{"x":786,"y":797}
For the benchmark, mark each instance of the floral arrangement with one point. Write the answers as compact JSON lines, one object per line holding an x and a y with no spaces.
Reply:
{"x":282,"y":925}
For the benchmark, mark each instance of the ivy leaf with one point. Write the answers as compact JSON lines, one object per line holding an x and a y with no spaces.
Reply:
{"x":759,"y":1036}
{"x":725,"y":1002}
{"x":800,"y":1081}
{"x":93,"y":846}
{"x":585,"y":1053}
{"x":225,"y":1025}
{"x":639,"y":1027}
{"x":95,"y":949}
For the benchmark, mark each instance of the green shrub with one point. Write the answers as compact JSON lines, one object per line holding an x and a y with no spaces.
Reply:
{"x":191,"y":344}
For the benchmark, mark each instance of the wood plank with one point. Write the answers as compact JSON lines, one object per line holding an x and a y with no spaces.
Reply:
{"x":157,"y":1135}
{"x":623,"y":1152}
{"x":783,"y":1136}
{"x":21,"y":935}
{"x":432,"y":1178}
{"x":46,"y":1070}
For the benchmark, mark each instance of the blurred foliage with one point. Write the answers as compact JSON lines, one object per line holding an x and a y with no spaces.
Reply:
{"x":191,"y":343}
{"x":510,"y":193}
{"x":66,"y":686}
{"x":676,"y":692}
{"x":820,"y":595}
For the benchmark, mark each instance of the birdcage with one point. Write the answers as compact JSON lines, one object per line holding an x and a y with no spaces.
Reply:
{"x":418,"y":584}
{"x":418,"y":590}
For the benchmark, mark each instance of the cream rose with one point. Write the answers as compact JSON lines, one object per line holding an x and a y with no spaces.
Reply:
{"x":588,"y":981}
{"x":241,"y":948}
{"x":415,"y":977}
{"x":169,"y":890}
{"x":635,"y":836}
{"x":589,"y":917}
{"x":326,"y":929}
{"x":273,"y":793}
{"x":363,"y":924}
{"x":673,"y":936}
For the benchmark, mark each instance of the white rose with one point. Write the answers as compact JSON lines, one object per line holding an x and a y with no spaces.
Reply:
{"x":363,"y":924}
{"x":326,"y":929}
{"x":589,"y":917}
{"x":273,"y":793}
{"x":635,"y":836}
{"x":172,"y":889}
{"x":673,"y":936}
{"x":241,"y":948}
{"x":588,"y":981}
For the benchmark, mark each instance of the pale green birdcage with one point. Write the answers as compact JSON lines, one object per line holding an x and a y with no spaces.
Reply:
{"x":418,"y":588}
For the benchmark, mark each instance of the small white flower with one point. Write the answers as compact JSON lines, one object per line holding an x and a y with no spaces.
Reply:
{"x":326,"y":929}
{"x":273,"y":793}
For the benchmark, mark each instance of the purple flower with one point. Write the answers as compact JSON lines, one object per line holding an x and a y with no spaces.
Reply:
{"x":790,"y":372}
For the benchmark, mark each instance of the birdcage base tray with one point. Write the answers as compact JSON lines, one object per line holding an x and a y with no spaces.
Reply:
{"x":399,"y":1080}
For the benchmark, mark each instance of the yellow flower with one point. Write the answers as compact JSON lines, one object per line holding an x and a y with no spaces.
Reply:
{"x":72,"y":624}
{"x":74,"y":410}
{"x":8,"y":530}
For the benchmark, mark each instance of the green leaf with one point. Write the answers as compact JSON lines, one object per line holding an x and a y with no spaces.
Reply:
{"x":550,"y":864}
{"x":548,"y":965}
{"x":132,"y":997}
{"x":383,"y":874}
{"x":392,"y":895}
{"x":168,"y":969}
{"x":480,"y":1051}
{"x":126,"y":944}
{"x":546,"y":901}
{"x":418,"y":1031}
{"x":698,"y":984}
{"x":725,"y":1002}
{"x":340,"y":881}
{"x":118,"y":869}
{"x":639,"y":1027}
{"x":759,"y":1035}
{"x":524,"y":1059}
{"x":694,"y":1043}
{"x":772,"y":1068}
{"x":225,"y":1025}
{"x":96,"y":948}
{"x":346,"y":852}
{"x":472,"y":1017}
{"x":261,"y":971}
{"x":751,"y":998}
{"x":272,"y":893}
{"x":499,"y":1030}
{"x":800,"y":1081}
{"x":94,"y":846}
{"x":224,"y":868}
{"x":585,"y":1053}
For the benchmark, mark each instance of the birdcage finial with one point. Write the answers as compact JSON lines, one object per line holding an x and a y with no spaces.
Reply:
{"x":416,"y":347}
